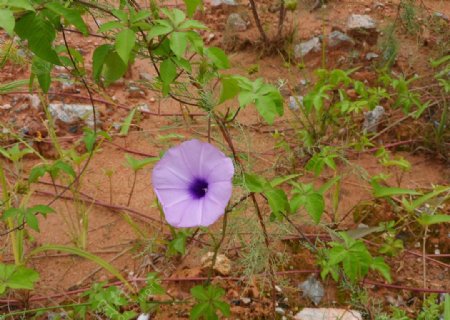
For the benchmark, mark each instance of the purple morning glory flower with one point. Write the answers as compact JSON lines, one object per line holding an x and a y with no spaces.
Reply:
{"x":193,"y":183}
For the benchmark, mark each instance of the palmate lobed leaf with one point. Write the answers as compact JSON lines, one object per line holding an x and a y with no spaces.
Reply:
{"x":17,"y":277}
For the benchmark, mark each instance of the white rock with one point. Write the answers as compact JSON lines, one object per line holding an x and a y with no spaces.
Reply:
{"x":280,"y":310}
{"x":295,"y":103}
{"x":34,"y":101}
{"x":143,"y":107}
{"x":304,"y":48}
{"x":222,"y":265}
{"x":361,"y":21}
{"x":143,"y":316}
{"x":313,"y":289}
{"x":235,"y":23}
{"x":372,"y":119}
{"x":216,"y":3}
{"x":6,"y":106}
{"x":337,"y":39}
{"x":71,"y":113}
{"x":371,"y":56}
{"x":327,"y":314}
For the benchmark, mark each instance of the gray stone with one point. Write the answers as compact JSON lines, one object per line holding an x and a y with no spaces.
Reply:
{"x":143,"y":316}
{"x":361,"y":21}
{"x":73,"y":113}
{"x":135,"y":92}
{"x":304,"y":48}
{"x":246,"y":301}
{"x":280,"y":310}
{"x":216,"y":3}
{"x":339,"y":39}
{"x":372,"y":119}
{"x":34,"y":101}
{"x":440,"y":15}
{"x":371,"y":56}
{"x":295,"y":102}
{"x":146,"y":76}
{"x":236,"y":23}
{"x":143,"y":107}
{"x":328,"y":314}
{"x":363,"y":28}
{"x":312,"y":289}
{"x":6,"y":106}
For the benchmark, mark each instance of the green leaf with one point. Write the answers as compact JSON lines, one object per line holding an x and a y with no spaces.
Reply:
{"x":199,"y":293}
{"x":98,"y":60}
{"x":40,"y":209}
{"x":137,"y":164}
{"x":40,"y":35}
{"x":168,"y":71}
{"x":73,"y":16}
{"x":198,"y":310}
{"x":379,"y":265}
{"x":65,"y":167}
{"x":159,"y":29}
{"x":84,"y":254}
{"x":423,"y":199}
{"x":7,"y":21}
{"x":141,"y":15}
{"x":218,"y":57}
{"x":13,"y":85}
{"x":280,"y":180}
{"x":110,"y":25}
{"x":36,"y":173}
{"x":22,"y":4}
{"x":178,"y":43}
{"x":255,"y":183}
{"x":127,"y":123}
{"x":230,"y":88}
{"x":278,"y":201}
{"x":191,"y":6}
{"x":447,"y":307}
{"x":32,"y":221}
{"x":314,"y":205}
{"x":427,"y":219}
{"x":266,"y":108}
{"x":17,"y":277}
{"x":114,"y":68}
{"x":179,"y":243}
{"x":380,"y":191}
{"x":125,"y":43}
{"x":42,"y":70}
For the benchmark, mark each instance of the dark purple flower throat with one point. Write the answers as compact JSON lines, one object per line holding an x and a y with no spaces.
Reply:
{"x":198,"y":188}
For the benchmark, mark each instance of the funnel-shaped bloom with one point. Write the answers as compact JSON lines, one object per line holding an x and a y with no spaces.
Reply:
{"x":193,"y":183}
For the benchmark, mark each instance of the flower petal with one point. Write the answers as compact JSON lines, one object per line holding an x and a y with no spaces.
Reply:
{"x":170,"y":173}
{"x":171,"y":197}
{"x":185,"y":214}
{"x":219,"y":171}
{"x":212,"y":211}
{"x":219,"y":193}
{"x":192,"y":217}
{"x":192,"y":156}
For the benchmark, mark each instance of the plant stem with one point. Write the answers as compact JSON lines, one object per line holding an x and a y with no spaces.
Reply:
{"x":17,"y":313}
{"x":10,"y":221}
{"x":132,"y":188}
{"x":424,"y":258}
{"x":218,"y":245}
{"x":258,"y":22}
{"x":281,"y":18}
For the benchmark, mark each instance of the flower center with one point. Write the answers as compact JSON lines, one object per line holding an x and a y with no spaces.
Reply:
{"x":198,"y":188}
